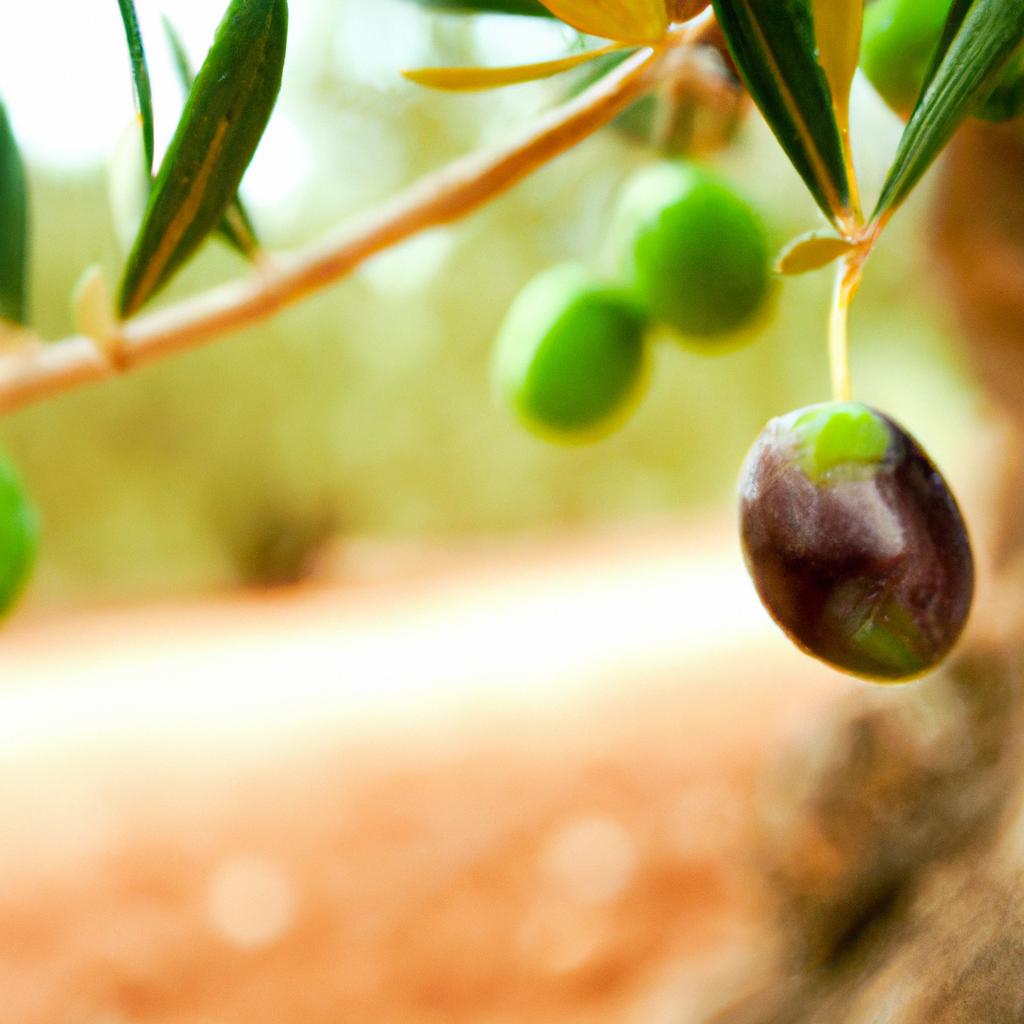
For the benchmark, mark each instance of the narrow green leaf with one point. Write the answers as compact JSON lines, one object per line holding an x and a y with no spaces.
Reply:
{"x":958,"y":10}
{"x":811,"y":252}
{"x":140,"y":75}
{"x":13,"y":227}
{"x":532,"y":8}
{"x":980,"y":38}
{"x":223,"y":121}
{"x":774,"y":46}
{"x":236,"y":227}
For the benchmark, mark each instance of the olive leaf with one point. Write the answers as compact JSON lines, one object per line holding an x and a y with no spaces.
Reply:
{"x":140,"y":76}
{"x":236,"y":226}
{"x":13,"y":227}
{"x":129,"y":184}
{"x":223,"y":121}
{"x":811,"y":252}
{"x":979,"y":39}
{"x":533,"y":8}
{"x":774,"y":46}
{"x":476,"y":79}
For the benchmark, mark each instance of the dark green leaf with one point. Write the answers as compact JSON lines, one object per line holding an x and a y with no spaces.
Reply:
{"x":773,"y":44}
{"x":236,"y":226}
{"x":980,"y":38}
{"x":223,"y":121}
{"x":13,"y":227}
{"x":528,"y":7}
{"x":140,"y":76}
{"x":958,"y":10}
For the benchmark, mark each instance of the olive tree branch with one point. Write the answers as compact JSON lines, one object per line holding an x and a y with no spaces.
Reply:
{"x":34,"y":370}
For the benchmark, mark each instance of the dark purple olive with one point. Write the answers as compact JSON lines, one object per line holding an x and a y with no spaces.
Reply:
{"x":854,"y":541}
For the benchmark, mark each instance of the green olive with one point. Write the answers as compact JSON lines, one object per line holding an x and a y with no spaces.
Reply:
{"x":19,"y":536}
{"x":695,"y":252}
{"x":854,"y":541}
{"x":570,"y":357}
{"x":900,"y":37}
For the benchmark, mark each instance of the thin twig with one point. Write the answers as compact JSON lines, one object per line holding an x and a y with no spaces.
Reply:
{"x":37,"y":371}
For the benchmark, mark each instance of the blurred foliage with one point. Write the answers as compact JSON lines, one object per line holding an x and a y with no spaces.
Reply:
{"x":368,"y":408}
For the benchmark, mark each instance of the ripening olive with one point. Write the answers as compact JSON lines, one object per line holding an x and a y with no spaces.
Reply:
{"x":854,"y":541}
{"x":19,"y":536}
{"x":695,"y":252}
{"x":570,"y":356}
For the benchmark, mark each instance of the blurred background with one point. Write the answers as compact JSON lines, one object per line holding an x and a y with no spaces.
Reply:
{"x":338,"y":696}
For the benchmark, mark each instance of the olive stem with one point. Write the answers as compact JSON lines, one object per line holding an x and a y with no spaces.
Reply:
{"x":848,"y":280}
{"x":35,"y":371}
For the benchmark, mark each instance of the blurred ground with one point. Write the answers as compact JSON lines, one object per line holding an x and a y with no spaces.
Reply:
{"x":479,"y":786}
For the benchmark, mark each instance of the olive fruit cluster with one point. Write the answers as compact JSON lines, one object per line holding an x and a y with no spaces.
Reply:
{"x":854,"y":541}
{"x":19,"y":536}
{"x":693,"y":255}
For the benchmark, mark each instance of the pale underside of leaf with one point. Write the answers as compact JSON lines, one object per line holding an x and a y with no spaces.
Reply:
{"x":478,"y":79}
{"x":627,"y":21}
{"x":811,"y":252}
{"x":128,"y":183}
{"x":838,"y":25}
